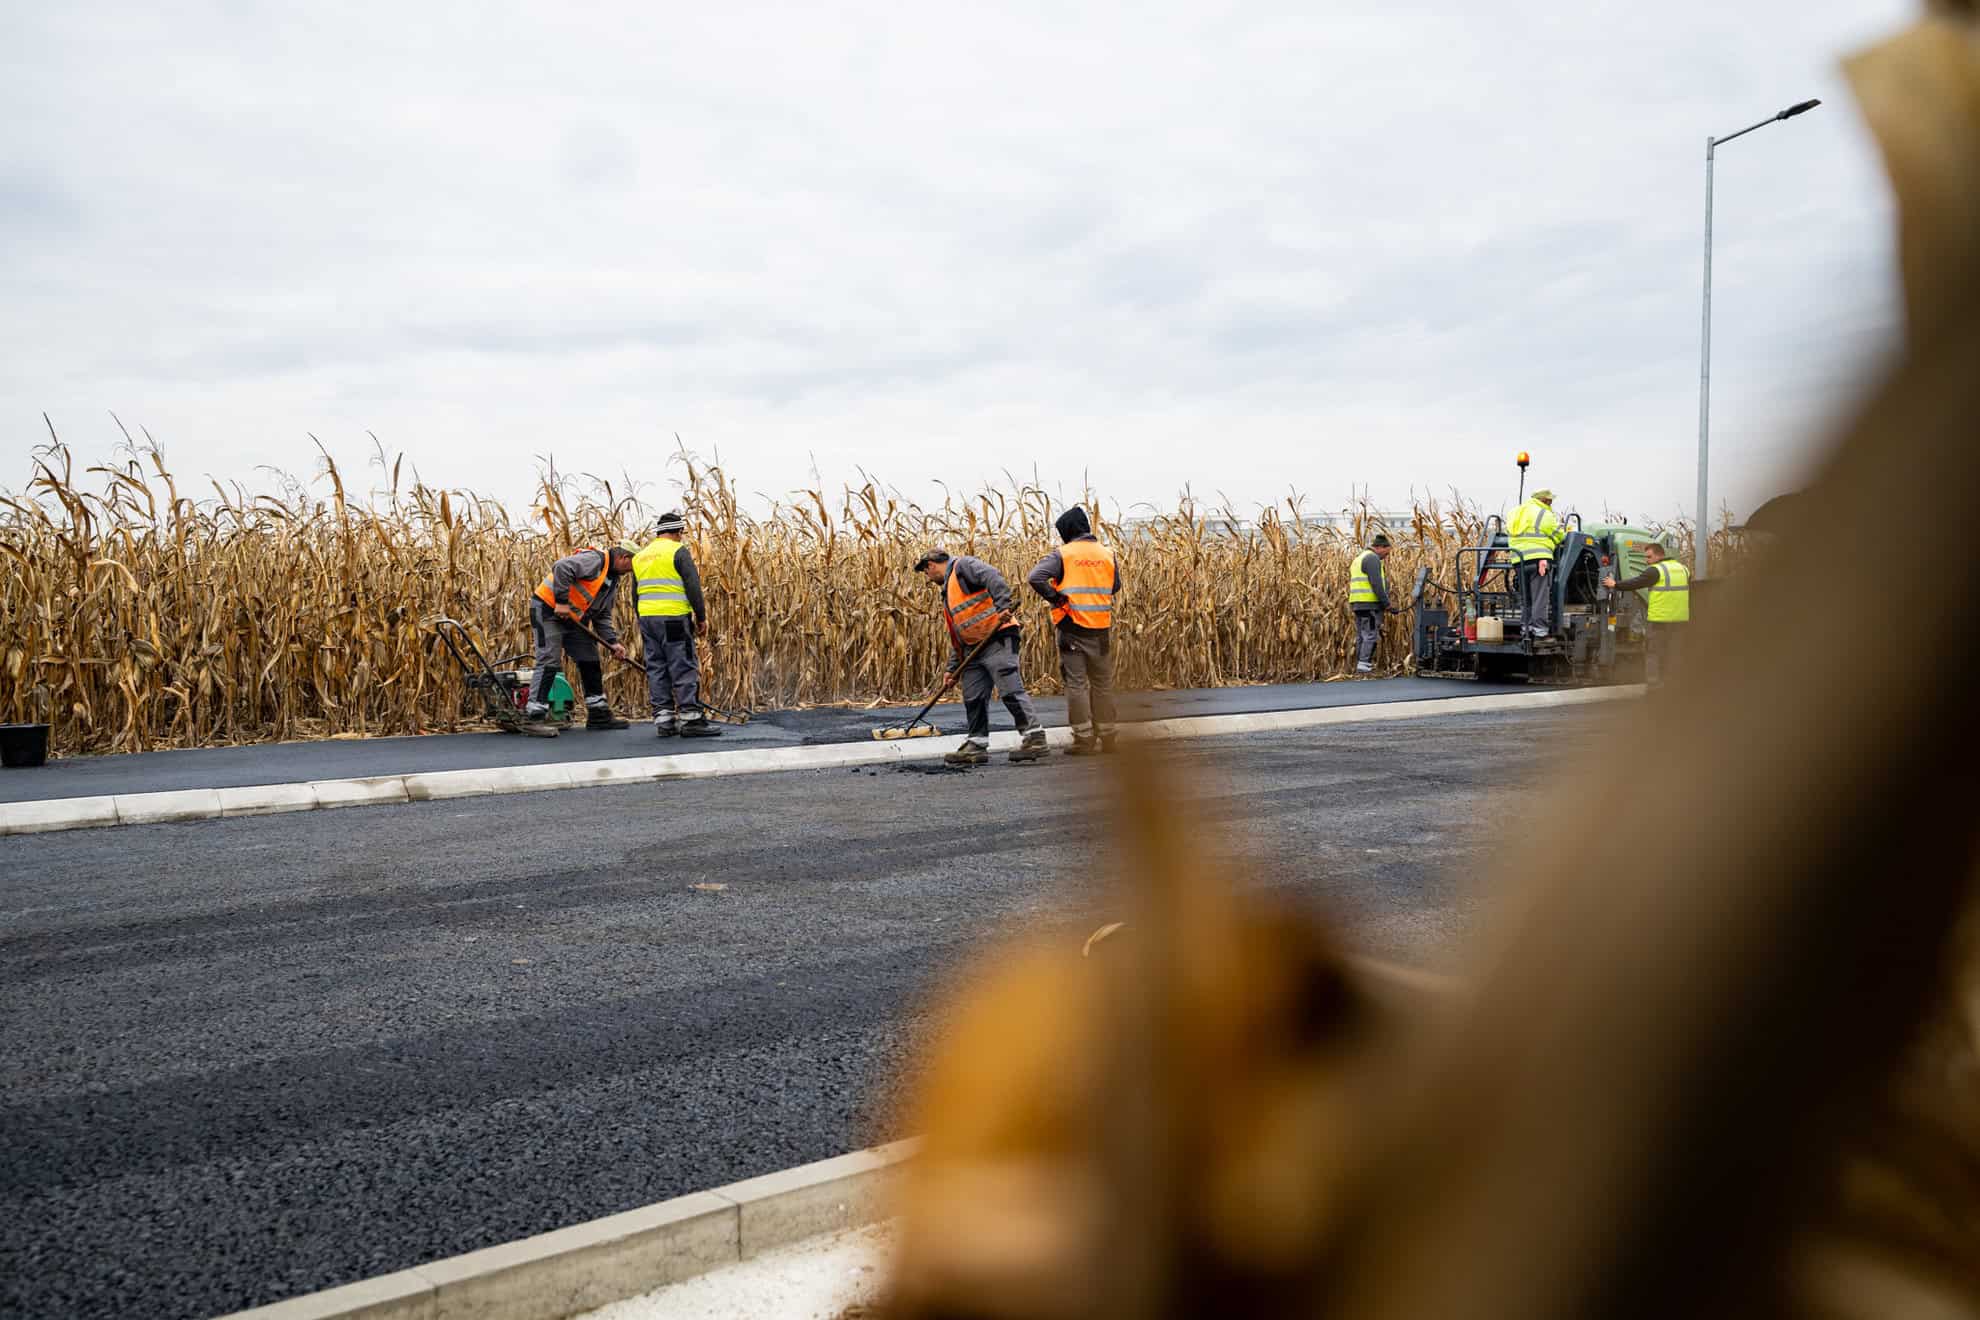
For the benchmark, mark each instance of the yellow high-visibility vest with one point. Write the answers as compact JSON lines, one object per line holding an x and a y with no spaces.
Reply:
{"x":662,"y":594}
{"x":1361,"y":591}
{"x":1670,"y":599}
{"x":1534,"y":532}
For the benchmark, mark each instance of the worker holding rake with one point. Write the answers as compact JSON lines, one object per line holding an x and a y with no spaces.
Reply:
{"x":571,"y":613}
{"x":976,"y":607}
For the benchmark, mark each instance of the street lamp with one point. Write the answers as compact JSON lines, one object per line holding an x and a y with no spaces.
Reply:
{"x":1704,"y":538}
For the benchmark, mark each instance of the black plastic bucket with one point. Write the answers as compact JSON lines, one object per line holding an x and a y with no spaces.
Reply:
{"x":23,"y":745}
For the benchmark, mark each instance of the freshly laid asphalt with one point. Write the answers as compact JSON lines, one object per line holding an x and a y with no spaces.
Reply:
{"x":245,"y":1059}
{"x":300,"y":762}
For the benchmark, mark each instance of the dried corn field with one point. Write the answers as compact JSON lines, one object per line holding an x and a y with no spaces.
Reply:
{"x":134,"y":615}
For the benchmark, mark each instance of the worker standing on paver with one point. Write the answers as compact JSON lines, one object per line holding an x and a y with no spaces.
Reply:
{"x":1080,"y":580}
{"x":1534,"y":536}
{"x":976,"y":608}
{"x":1668,"y":583}
{"x":576,"y":596}
{"x":672,"y":613}
{"x":1368,"y":599}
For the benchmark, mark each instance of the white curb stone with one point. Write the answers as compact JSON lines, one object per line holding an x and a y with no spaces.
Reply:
{"x":359,"y":792}
{"x":76,"y":813}
{"x":160,"y":808}
{"x":266,"y":799}
{"x":440,"y":785}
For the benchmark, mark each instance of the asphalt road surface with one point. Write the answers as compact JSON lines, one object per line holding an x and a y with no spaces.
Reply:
{"x":245,"y":1059}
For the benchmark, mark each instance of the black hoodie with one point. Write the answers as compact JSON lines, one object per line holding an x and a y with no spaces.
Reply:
{"x":1073,"y":526}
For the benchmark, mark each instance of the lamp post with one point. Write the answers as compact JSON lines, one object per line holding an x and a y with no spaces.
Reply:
{"x":1704,"y":538}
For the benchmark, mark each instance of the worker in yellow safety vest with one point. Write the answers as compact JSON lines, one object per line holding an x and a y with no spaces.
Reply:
{"x":1079,"y":581}
{"x":1534,"y":537}
{"x":672,"y":613}
{"x":1368,"y":600}
{"x":1666,"y":584}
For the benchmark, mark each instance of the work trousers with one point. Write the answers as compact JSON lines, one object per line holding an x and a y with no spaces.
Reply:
{"x":995,"y":669}
{"x":673,"y":674}
{"x":556,"y":638}
{"x":1661,"y":650}
{"x":1086,"y":662}
{"x":1367,"y":632}
{"x":1538,"y":594}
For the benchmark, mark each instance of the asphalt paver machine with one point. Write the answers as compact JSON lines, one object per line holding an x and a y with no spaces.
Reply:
{"x":1470,"y":626}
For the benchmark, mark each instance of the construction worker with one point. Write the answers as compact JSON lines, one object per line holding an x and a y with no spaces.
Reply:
{"x":1534,"y":537}
{"x":1080,"y":580}
{"x":1668,"y":583}
{"x":672,"y":613}
{"x":976,"y":607}
{"x":1368,"y":599}
{"x":576,"y":596}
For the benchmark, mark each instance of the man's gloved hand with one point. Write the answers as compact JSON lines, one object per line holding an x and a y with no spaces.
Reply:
{"x":618,"y":650}
{"x":564,"y":612}
{"x":1609,"y":583}
{"x":701,"y":627}
{"x":1546,"y":567}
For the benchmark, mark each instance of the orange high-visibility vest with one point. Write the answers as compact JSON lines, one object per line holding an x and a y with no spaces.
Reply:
{"x":582,"y":593}
{"x":971,"y":617}
{"x":1088,"y":584}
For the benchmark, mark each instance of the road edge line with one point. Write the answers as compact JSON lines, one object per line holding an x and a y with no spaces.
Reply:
{"x":47,"y":815}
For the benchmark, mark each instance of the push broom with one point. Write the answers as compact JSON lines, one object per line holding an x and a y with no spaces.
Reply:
{"x":927,"y":730}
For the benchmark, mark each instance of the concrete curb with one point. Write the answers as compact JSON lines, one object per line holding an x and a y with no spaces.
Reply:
{"x":590,"y":1265}
{"x":208,"y":803}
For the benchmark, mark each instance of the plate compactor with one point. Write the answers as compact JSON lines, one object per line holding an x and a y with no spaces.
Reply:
{"x":500,"y":688}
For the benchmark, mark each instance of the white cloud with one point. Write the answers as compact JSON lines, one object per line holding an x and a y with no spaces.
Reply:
{"x":1240,"y":247}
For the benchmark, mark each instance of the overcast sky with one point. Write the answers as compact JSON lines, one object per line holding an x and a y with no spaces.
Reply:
{"x":1244,"y":248}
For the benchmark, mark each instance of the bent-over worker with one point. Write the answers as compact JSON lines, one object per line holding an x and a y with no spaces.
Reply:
{"x":1534,"y":536}
{"x":976,"y":608}
{"x":1368,"y":599}
{"x":577,"y":595}
{"x":1080,"y":580}
{"x":1668,"y":583}
{"x":672,"y":613}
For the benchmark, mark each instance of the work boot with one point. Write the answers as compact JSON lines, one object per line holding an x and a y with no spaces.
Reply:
{"x":1084,"y":744}
{"x":1364,"y":669}
{"x":664,"y":726}
{"x":697,"y":726}
{"x":1033,"y":747}
{"x":601,"y":717}
{"x":971,"y":752}
{"x":1110,"y":742}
